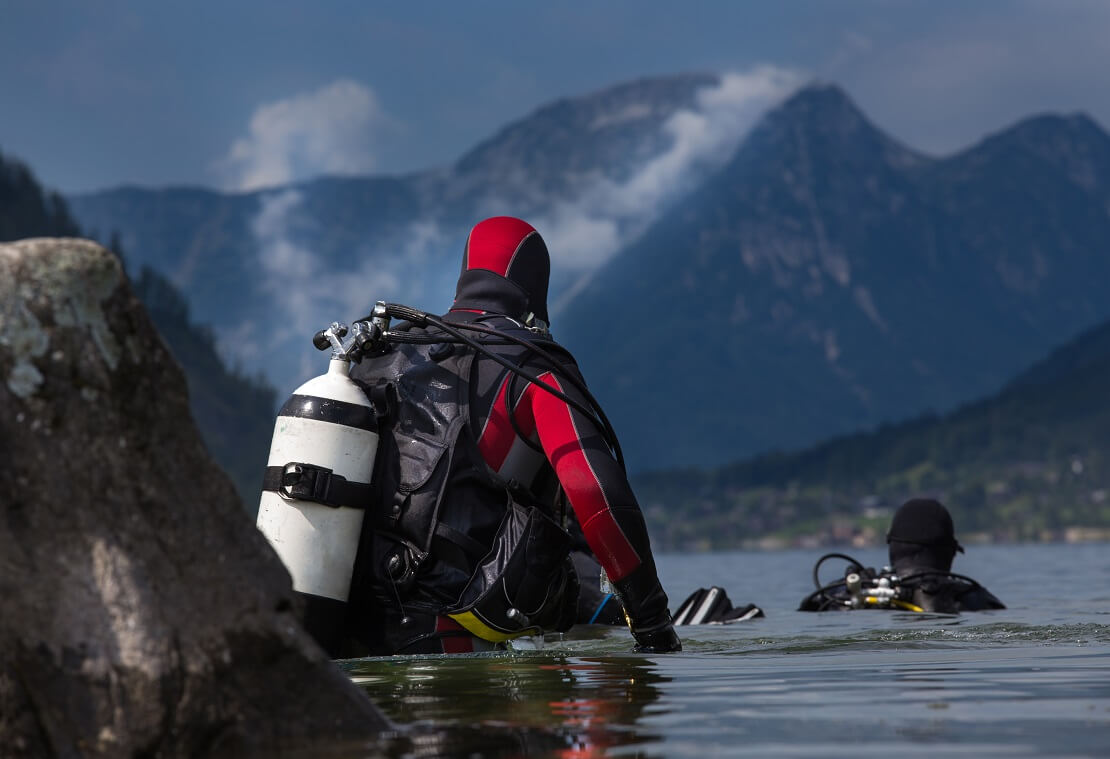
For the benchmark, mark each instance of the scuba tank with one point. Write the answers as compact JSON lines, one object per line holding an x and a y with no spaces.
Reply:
{"x":317,"y":486}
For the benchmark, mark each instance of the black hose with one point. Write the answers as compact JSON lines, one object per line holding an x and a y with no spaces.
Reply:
{"x":827,"y":598}
{"x":418,"y":339}
{"x":400,"y":336}
{"x":817,"y":566}
{"x":605,"y":427}
{"x":938,"y":573}
{"x":420,"y":319}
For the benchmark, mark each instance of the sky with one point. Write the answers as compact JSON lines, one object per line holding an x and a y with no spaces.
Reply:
{"x":242,"y":94}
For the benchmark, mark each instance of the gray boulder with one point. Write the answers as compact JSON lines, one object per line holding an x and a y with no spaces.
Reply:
{"x":141,"y":612}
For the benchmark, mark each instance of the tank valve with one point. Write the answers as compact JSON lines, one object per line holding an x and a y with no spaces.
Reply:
{"x":854,"y":584}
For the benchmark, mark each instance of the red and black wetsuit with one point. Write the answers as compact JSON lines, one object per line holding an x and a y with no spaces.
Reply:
{"x":534,"y":441}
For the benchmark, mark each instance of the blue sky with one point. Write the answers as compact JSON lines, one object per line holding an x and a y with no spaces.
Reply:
{"x":240,"y":94}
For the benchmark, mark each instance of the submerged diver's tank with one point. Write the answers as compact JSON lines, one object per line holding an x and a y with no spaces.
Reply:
{"x":317,"y":488}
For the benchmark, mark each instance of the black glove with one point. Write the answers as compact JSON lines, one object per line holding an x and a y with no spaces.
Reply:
{"x":645,"y":606}
{"x":658,"y":639}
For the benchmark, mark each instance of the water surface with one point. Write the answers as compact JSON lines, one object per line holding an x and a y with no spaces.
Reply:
{"x":1033,"y":679}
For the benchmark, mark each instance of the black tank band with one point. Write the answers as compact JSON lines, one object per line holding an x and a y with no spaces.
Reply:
{"x":329,"y":410}
{"x":306,"y":482}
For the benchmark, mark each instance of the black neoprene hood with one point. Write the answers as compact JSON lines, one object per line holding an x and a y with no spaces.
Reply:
{"x":922,"y":534}
{"x":923,"y":521}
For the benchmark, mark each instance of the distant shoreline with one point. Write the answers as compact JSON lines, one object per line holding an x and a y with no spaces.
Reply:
{"x":1067,"y":535}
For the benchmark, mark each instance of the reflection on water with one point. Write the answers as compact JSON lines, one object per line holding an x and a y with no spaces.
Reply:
{"x":515,"y":704}
{"x":1033,"y":679}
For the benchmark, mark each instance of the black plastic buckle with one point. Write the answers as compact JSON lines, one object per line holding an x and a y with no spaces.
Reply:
{"x":306,"y":482}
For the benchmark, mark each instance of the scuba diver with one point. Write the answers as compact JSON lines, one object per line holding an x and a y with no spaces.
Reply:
{"x":922,"y":545}
{"x":487,"y":431}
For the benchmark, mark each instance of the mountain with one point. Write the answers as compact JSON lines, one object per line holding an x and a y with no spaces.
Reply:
{"x":267,"y":269}
{"x":561,"y":148}
{"x":1029,"y":462}
{"x":829,"y":278}
{"x":723,"y":297}
{"x":234,"y":411}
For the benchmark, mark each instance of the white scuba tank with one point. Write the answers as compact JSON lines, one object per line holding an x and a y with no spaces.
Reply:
{"x":317,"y":490}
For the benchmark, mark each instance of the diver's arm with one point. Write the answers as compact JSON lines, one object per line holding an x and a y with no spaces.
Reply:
{"x":607,"y":510}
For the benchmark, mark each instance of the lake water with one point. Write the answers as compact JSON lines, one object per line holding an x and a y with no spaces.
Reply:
{"x":1031,"y":680}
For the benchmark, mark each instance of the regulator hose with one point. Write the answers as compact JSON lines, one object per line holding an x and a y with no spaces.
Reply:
{"x":604,"y":425}
{"x":817,"y":581}
{"x":422,"y":319}
{"x":939,"y":573}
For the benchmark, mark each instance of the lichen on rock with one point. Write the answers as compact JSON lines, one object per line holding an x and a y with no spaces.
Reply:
{"x":65,"y":280}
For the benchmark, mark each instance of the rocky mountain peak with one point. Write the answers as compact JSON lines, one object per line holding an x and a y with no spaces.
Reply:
{"x":565,"y":128}
{"x":1074,"y":144}
{"x":566,"y":145}
{"x":820,"y":119}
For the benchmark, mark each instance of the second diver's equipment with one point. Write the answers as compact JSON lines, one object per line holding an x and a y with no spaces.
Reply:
{"x":861,"y":588}
{"x":316,"y":487}
{"x":865,"y":588}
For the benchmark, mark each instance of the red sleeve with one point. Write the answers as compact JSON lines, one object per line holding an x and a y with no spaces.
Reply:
{"x":593,"y":481}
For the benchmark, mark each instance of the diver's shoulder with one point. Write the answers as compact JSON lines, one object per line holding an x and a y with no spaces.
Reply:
{"x":541,"y":339}
{"x":979,"y":598}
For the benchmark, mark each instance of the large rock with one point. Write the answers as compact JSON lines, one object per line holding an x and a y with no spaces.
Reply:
{"x":141,"y":613}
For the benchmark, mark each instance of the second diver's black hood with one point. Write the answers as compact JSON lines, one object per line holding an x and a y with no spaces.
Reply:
{"x":505,"y":270}
{"x":922,"y":536}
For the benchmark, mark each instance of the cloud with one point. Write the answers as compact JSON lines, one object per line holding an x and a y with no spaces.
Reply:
{"x":327,"y":131}
{"x":309,"y":292}
{"x":606,"y":215}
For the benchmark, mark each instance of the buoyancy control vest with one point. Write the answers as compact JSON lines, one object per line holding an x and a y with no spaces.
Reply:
{"x":449,"y":537}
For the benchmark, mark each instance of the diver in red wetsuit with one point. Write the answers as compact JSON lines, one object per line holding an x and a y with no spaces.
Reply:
{"x":468,"y":546}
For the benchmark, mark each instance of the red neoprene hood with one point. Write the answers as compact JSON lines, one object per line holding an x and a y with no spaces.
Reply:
{"x":513,"y":251}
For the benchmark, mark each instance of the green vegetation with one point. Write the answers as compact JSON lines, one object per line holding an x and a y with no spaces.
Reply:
{"x":234,"y":411}
{"x":1031,"y":463}
{"x":26,"y":210}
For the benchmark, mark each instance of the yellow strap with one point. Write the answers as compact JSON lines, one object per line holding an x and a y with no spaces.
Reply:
{"x":904,"y":605}
{"x":475,"y":626}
